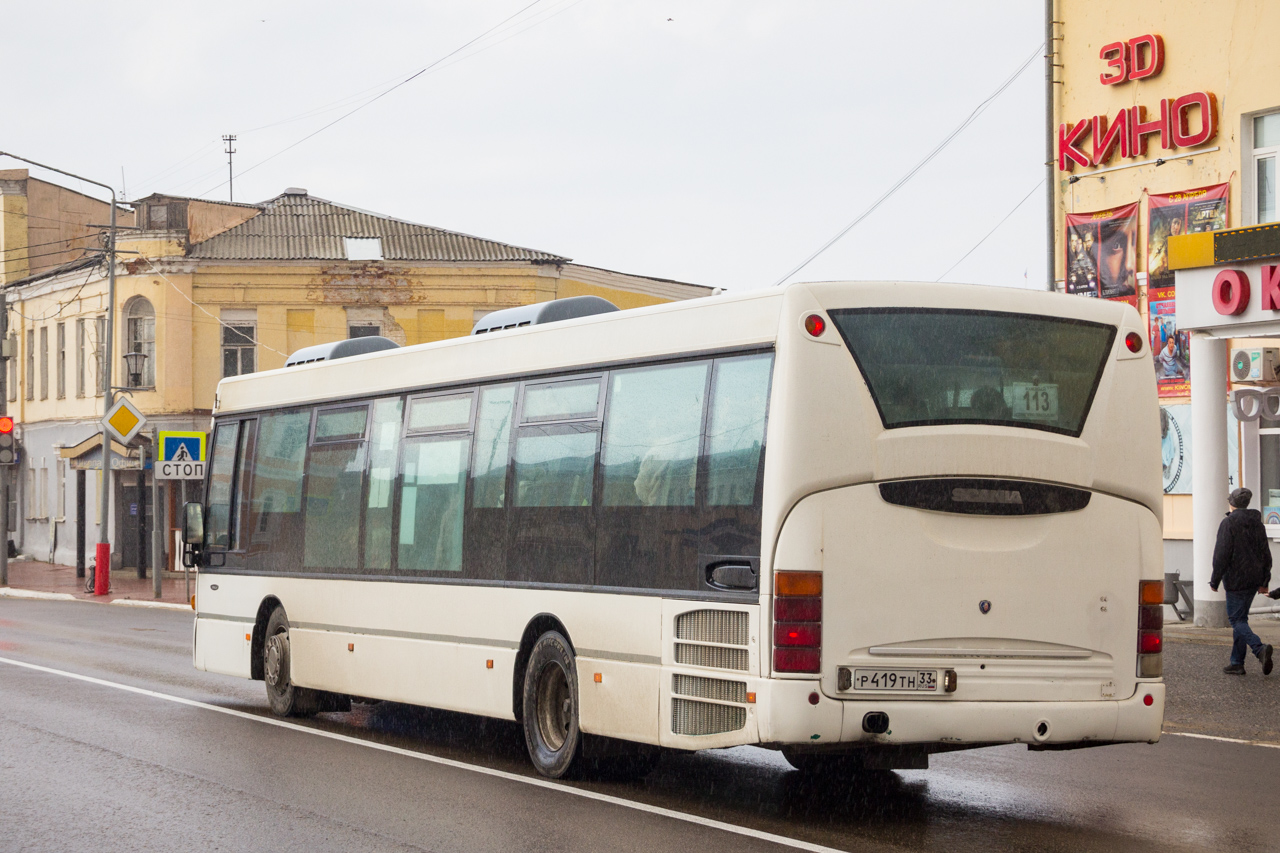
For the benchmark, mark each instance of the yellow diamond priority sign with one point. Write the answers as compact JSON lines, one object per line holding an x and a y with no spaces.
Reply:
{"x":124,"y":421}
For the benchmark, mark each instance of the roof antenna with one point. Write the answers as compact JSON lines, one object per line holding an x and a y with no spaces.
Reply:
{"x":231,"y":175}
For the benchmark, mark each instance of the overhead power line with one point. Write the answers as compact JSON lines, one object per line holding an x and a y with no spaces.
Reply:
{"x":381,"y":94}
{"x":992,"y":231}
{"x":977,"y":111}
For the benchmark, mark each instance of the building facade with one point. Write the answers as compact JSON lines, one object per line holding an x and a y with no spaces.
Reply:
{"x":1167,"y":121}
{"x":206,"y":290}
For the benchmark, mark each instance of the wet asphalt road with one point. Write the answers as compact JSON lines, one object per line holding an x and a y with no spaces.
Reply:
{"x":85,"y":766}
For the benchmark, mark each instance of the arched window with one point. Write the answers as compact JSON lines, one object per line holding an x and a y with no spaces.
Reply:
{"x":140,"y":336}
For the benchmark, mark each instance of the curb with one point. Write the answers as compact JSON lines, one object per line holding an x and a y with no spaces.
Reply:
{"x":165,"y":605}
{"x":10,"y":592}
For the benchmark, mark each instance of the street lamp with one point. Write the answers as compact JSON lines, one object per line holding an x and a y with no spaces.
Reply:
{"x":136,"y":363}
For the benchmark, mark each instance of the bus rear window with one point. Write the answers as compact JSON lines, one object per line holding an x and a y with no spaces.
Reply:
{"x":927,"y":367}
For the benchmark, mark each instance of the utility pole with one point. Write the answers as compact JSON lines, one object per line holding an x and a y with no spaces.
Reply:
{"x":102,"y":574}
{"x":4,"y":410}
{"x":231,"y":175}
{"x":1051,"y":225}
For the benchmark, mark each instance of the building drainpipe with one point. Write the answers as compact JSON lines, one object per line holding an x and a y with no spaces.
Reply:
{"x":1208,"y":471}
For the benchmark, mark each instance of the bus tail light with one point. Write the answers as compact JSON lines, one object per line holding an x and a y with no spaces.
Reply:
{"x":797,"y":622}
{"x":1150,"y":629}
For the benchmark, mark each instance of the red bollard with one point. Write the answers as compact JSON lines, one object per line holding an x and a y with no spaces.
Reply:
{"x":102,"y":569}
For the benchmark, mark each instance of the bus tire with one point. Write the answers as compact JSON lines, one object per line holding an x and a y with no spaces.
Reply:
{"x":285,"y":699}
{"x":551,"y":706}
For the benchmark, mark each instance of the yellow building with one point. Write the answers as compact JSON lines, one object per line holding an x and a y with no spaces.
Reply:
{"x":1167,"y":121}
{"x":206,"y":290}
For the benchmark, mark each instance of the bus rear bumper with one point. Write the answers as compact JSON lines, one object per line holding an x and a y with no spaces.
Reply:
{"x":792,"y":719}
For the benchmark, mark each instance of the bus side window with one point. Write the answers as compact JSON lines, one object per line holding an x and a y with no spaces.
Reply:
{"x":485,"y":531}
{"x":433,"y":483}
{"x":221,"y":471}
{"x":384,"y":447}
{"x":273,"y":535}
{"x":646,"y":535}
{"x":733,"y":450}
{"x":244,"y":470}
{"x":334,"y":487}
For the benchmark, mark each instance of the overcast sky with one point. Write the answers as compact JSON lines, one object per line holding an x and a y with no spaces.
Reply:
{"x":719,"y":143}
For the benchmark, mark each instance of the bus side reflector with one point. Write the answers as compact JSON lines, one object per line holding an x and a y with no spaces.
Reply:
{"x":488,"y":664}
{"x":351,"y":647}
{"x":810,"y":584}
{"x":599,"y":678}
{"x":1148,"y":700}
{"x":751,"y":698}
{"x":248,"y":637}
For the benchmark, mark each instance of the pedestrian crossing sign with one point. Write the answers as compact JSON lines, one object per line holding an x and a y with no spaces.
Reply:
{"x":181,"y":456}
{"x":182,"y":446}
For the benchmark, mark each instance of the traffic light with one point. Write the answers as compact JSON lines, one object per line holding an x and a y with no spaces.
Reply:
{"x":8,"y":446}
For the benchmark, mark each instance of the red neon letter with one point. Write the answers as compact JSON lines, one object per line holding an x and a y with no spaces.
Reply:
{"x":1068,"y":154}
{"x":1179,"y":124}
{"x":1271,"y":288}
{"x":1107,"y":140}
{"x":1140,"y":128}
{"x":1155,"y":56}
{"x":1230,"y":292}
{"x":1120,"y":62}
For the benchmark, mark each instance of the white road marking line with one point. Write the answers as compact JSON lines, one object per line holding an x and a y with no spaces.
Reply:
{"x":1226,"y":739}
{"x":447,"y":762}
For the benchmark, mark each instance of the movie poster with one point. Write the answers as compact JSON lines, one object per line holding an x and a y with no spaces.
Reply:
{"x":1203,"y":209}
{"x":1102,"y":249}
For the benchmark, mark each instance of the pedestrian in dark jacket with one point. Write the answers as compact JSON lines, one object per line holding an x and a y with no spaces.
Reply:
{"x":1242,"y":563}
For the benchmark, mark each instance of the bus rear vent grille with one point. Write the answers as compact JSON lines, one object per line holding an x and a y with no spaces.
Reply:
{"x":712,"y":656}
{"x":702,"y":718}
{"x":728,"y":627}
{"x":710,"y":688}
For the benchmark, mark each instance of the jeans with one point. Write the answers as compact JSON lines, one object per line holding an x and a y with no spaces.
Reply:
{"x":1238,"y":615}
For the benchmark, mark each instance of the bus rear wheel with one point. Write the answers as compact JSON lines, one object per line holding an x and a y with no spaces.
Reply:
{"x":285,"y":699}
{"x":551,"y":706}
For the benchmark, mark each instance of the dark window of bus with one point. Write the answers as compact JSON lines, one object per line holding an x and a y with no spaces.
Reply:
{"x":485,"y":545}
{"x":334,"y":489}
{"x":925,"y":367}
{"x":648,"y":527}
{"x":244,"y":470}
{"x":274,"y":530}
{"x":433,"y":471}
{"x":552,"y":521}
{"x":221,"y":471}
{"x":384,"y":447}
{"x":733,"y":452}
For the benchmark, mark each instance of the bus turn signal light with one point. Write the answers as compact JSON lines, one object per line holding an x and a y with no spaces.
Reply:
{"x":797,"y":583}
{"x":1151,"y":592}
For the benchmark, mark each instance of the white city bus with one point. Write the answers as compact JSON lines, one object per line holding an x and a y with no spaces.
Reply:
{"x":859,"y":522}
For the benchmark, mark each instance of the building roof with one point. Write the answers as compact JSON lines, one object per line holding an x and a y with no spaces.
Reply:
{"x":297,"y":226}
{"x":86,"y":262}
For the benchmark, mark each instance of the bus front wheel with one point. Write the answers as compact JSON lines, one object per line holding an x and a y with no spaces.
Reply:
{"x":285,"y":699}
{"x":551,"y":706}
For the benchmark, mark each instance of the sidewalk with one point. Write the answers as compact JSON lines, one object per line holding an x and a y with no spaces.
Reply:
{"x":1266,"y":626}
{"x":125,"y":585}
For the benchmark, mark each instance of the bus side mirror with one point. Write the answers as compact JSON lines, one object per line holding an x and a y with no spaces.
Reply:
{"x":192,"y":534}
{"x":193,"y":523}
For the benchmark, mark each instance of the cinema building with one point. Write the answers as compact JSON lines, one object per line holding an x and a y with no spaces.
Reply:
{"x":1166,"y":125}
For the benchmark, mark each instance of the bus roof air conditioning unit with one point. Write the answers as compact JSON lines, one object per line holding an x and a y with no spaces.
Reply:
{"x":340,"y":349}
{"x":543,"y":312}
{"x":1255,"y":364}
